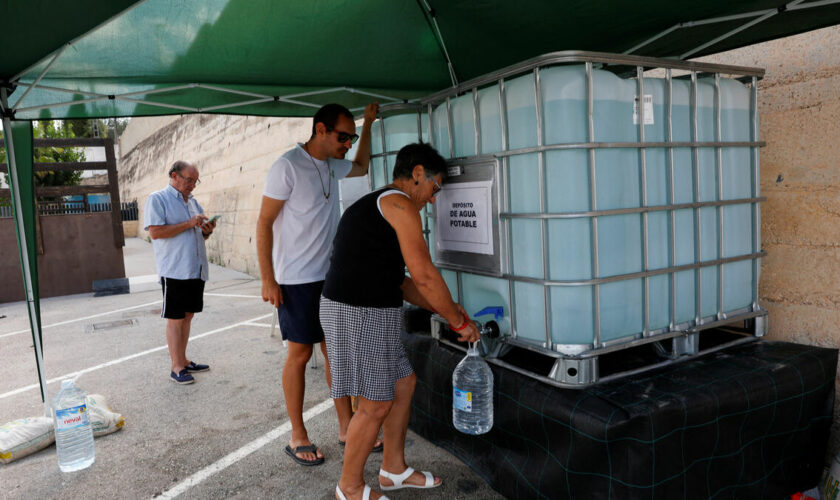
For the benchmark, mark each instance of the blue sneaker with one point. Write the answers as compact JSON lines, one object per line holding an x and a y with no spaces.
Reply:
{"x":182,"y":377}
{"x":193,"y":367}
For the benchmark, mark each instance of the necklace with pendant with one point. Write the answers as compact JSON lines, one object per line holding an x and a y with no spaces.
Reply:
{"x":328,"y":190}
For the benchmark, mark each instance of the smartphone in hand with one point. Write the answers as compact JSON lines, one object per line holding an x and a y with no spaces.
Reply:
{"x":214,"y":218}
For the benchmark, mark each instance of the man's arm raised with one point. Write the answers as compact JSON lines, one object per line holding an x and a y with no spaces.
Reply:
{"x":361,"y":162}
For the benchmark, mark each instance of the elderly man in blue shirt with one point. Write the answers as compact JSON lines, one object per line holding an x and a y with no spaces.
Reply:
{"x":178,"y":227}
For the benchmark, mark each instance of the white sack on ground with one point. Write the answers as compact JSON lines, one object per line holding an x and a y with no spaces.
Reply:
{"x":102,"y":419}
{"x":25,"y":436}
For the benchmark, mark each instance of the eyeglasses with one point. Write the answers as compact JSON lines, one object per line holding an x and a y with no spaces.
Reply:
{"x":437,"y":187}
{"x":189,"y":180}
{"x":344,"y":136}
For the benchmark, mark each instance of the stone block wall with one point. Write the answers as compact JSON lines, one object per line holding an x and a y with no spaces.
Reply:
{"x":233,"y":155}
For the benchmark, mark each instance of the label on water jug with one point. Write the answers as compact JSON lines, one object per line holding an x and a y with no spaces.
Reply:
{"x":70,"y":418}
{"x":830,"y":486}
{"x":461,"y":400}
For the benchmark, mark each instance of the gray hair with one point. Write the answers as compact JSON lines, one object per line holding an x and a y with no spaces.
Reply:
{"x":178,"y":166}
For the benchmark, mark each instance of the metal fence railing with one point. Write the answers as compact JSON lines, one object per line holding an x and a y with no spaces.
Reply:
{"x":127,"y":209}
{"x":61,"y":207}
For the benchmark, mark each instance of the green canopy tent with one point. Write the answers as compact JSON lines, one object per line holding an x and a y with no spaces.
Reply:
{"x":104,"y":58}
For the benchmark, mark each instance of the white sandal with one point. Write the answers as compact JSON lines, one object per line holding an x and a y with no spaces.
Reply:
{"x":365,"y":495}
{"x":399,"y":478}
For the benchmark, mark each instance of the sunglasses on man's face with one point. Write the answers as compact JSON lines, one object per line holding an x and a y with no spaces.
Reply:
{"x":344,"y":136}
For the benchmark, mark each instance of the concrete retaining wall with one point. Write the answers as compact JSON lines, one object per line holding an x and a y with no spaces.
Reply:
{"x":233,"y":154}
{"x":130,"y":228}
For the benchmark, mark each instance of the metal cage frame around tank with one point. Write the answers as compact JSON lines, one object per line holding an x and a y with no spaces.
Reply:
{"x":684,"y":335}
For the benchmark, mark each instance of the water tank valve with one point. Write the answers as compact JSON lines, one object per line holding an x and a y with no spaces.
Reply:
{"x":489,"y":329}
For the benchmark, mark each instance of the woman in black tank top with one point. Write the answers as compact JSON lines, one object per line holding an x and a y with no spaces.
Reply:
{"x":378,"y":237}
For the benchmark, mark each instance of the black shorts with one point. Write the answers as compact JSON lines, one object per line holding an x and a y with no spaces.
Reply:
{"x":300,"y":321}
{"x":181,"y":297}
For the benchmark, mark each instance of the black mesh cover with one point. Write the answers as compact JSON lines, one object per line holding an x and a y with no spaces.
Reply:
{"x":750,"y":421}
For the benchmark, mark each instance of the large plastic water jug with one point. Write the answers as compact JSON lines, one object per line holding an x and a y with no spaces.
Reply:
{"x":472,"y":394}
{"x":73,"y":433}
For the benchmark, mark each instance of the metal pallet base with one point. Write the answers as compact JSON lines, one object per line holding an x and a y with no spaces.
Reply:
{"x":584,"y":370}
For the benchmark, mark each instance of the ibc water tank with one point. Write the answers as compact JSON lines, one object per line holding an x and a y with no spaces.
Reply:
{"x":549,"y":284}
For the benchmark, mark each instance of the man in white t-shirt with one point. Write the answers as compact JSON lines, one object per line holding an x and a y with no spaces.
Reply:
{"x":295,"y":229}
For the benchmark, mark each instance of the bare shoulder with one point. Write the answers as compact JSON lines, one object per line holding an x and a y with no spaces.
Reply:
{"x":397,"y":207}
{"x":396,"y":201}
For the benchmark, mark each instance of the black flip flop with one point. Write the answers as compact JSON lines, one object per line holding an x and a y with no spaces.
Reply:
{"x":311,"y":448}
{"x":376,"y":449}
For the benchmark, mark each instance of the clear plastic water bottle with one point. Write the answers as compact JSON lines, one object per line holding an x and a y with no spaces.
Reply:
{"x":830,"y":484}
{"x":472,"y":394}
{"x":73,"y":433}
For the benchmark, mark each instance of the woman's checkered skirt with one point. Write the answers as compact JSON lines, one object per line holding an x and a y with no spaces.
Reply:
{"x":365,"y":351}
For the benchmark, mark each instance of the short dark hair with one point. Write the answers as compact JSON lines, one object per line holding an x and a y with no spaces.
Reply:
{"x":328,"y":115}
{"x":178,"y":166}
{"x":418,"y":154}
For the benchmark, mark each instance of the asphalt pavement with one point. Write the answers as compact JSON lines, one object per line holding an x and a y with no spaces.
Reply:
{"x":222,"y":437}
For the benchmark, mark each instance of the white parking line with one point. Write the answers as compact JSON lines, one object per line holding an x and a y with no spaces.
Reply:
{"x":82,"y":319}
{"x":18,"y":332}
{"x":243,"y":452}
{"x":126,"y":358}
{"x":260,"y":324}
{"x":233,"y":295}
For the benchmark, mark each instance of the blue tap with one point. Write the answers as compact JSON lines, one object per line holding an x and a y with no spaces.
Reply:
{"x":498,"y":312}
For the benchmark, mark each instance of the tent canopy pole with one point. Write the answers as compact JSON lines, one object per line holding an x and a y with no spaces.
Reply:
{"x":18,"y":144}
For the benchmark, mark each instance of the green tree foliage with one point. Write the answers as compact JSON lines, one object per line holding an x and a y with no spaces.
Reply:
{"x":53,"y":130}
{"x":81,"y":128}
{"x":56,"y":130}
{"x":98,"y":128}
